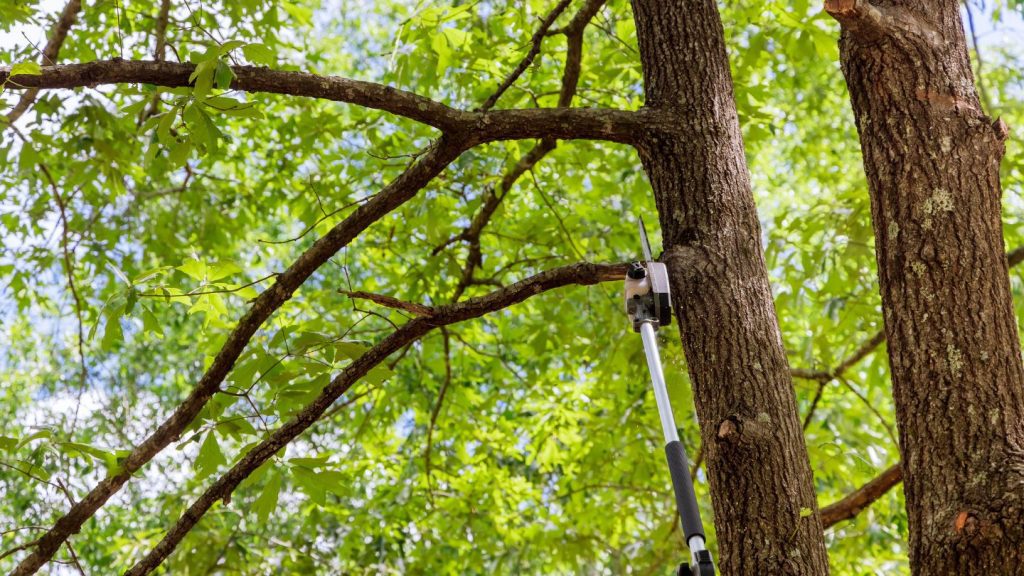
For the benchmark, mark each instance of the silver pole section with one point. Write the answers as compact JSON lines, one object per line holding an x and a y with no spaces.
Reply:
{"x":696,"y":544}
{"x":668,"y":423}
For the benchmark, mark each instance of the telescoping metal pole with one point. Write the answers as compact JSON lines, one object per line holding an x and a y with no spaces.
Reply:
{"x":678,"y":465}
{"x":649,"y":306}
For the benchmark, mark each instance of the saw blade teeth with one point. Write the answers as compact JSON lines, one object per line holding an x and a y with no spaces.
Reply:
{"x":645,"y":245}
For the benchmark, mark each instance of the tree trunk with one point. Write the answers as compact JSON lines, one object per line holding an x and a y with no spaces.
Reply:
{"x":766,"y":515}
{"x":932,"y":161}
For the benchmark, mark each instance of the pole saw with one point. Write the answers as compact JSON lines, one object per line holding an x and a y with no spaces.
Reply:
{"x":649,"y":307}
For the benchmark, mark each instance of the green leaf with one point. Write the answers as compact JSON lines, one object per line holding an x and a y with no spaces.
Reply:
{"x":150,"y":274}
{"x":119,"y":273}
{"x":379,"y":374}
{"x":302,"y":14}
{"x":351,"y":350}
{"x":229,"y":46}
{"x":131,"y":298}
{"x":259,"y":54}
{"x":112,"y":334}
{"x":266,"y":502}
{"x":439,"y":43}
{"x":210,"y":457}
{"x":203,"y":77}
{"x":75,"y":448}
{"x":44,"y":433}
{"x":221,"y":269}
{"x":150,"y":323}
{"x":316,"y":462}
{"x":194,"y":268}
{"x":223,"y":76}
{"x":8,"y":443}
{"x":163,"y":130}
{"x":26,"y":69}
{"x":308,"y":483}
{"x":204,"y":131}
{"x":179,"y":153}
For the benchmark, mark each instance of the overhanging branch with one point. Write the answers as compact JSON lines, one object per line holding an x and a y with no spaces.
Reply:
{"x":589,"y":123}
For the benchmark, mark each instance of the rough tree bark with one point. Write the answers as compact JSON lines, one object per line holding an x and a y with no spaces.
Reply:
{"x":766,"y":515}
{"x":932,"y":161}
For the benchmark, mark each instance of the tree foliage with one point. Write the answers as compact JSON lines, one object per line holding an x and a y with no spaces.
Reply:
{"x":140,"y":223}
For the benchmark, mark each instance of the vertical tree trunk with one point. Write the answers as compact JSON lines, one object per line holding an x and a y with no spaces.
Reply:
{"x":765,"y":509}
{"x":932,"y":161}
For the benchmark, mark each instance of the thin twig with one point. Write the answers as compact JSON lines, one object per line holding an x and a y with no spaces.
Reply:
{"x":697,"y":461}
{"x":204,"y":292}
{"x":313,"y":226}
{"x":58,"y":486}
{"x":74,"y":558}
{"x":535,"y":42}
{"x":437,"y":410}
{"x":69,"y":271}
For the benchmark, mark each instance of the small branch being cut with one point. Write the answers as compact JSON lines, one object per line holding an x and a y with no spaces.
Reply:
{"x":581,"y":274}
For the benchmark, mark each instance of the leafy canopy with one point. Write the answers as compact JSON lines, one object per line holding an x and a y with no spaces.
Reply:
{"x":138,"y":222}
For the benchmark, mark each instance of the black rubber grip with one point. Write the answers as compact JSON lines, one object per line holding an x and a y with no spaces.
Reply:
{"x":686,"y":499}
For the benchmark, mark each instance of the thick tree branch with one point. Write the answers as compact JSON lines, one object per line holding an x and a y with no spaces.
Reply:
{"x":590,"y":123}
{"x":418,"y":175}
{"x":582,"y":274}
{"x":58,"y":34}
{"x":1015,"y":256}
{"x":851,"y":504}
